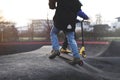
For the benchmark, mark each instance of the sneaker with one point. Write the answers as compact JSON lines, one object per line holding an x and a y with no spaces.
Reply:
{"x":76,"y":61}
{"x":54,"y":54}
{"x":65,"y":50}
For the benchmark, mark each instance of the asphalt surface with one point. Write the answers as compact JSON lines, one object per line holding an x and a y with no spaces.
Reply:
{"x":112,"y":51}
{"x":7,"y":49}
{"x":102,"y":63}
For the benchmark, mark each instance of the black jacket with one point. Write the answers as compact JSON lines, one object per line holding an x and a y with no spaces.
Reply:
{"x":66,"y":13}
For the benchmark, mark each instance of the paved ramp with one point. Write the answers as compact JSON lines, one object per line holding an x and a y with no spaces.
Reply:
{"x":35,"y":65}
{"x":113,"y":50}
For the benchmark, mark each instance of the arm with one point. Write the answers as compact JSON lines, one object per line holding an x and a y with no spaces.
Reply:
{"x":82,"y":15}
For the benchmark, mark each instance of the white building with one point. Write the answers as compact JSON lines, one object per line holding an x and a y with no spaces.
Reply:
{"x":86,"y":26}
{"x":38,"y":25}
{"x":116,"y":24}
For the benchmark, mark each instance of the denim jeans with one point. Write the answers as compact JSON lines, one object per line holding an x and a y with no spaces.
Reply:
{"x":71,"y":41}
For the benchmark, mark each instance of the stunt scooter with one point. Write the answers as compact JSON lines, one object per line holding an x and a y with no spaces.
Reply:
{"x":82,"y":49}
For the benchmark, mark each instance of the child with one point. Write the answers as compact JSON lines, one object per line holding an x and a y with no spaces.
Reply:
{"x":64,"y":19}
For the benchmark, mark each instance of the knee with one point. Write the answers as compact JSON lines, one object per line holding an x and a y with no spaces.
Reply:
{"x":53,"y":32}
{"x":71,"y":40}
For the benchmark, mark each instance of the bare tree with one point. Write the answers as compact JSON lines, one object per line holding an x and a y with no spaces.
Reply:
{"x":47,"y":28}
{"x":8,"y":32}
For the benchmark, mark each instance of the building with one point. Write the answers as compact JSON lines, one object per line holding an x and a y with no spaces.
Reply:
{"x":86,"y":26}
{"x":116,"y":24}
{"x":38,"y":25}
{"x":118,"y":19}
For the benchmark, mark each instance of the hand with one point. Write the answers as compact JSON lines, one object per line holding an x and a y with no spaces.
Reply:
{"x":52,"y":4}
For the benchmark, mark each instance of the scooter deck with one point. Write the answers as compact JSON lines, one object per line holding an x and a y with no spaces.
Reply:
{"x":68,"y":57}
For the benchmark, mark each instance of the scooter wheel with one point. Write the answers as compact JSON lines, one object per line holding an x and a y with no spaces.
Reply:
{"x":80,"y":63}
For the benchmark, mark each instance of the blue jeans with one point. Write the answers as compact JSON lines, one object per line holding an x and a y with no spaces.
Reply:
{"x":71,"y":41}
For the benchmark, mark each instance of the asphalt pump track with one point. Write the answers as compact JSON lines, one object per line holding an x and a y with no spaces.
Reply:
{"x":102,"y":63}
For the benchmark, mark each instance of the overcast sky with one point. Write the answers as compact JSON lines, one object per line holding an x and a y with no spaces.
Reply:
{"x":22,"y":11}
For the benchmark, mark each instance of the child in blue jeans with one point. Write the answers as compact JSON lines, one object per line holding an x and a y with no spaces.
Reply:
{"x":65,"y":19}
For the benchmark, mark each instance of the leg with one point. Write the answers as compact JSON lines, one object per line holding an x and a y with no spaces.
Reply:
{"x":55,"y":43}
{"x":54,"y":38}
{"x":73,"y":44}
{"x":64,"y":48}
{"x":74,"y":48}
{"x":65,"y":43}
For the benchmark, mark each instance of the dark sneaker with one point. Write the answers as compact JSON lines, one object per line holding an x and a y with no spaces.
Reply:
{"x":76,"y":61}
{"x":54,"y":54}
